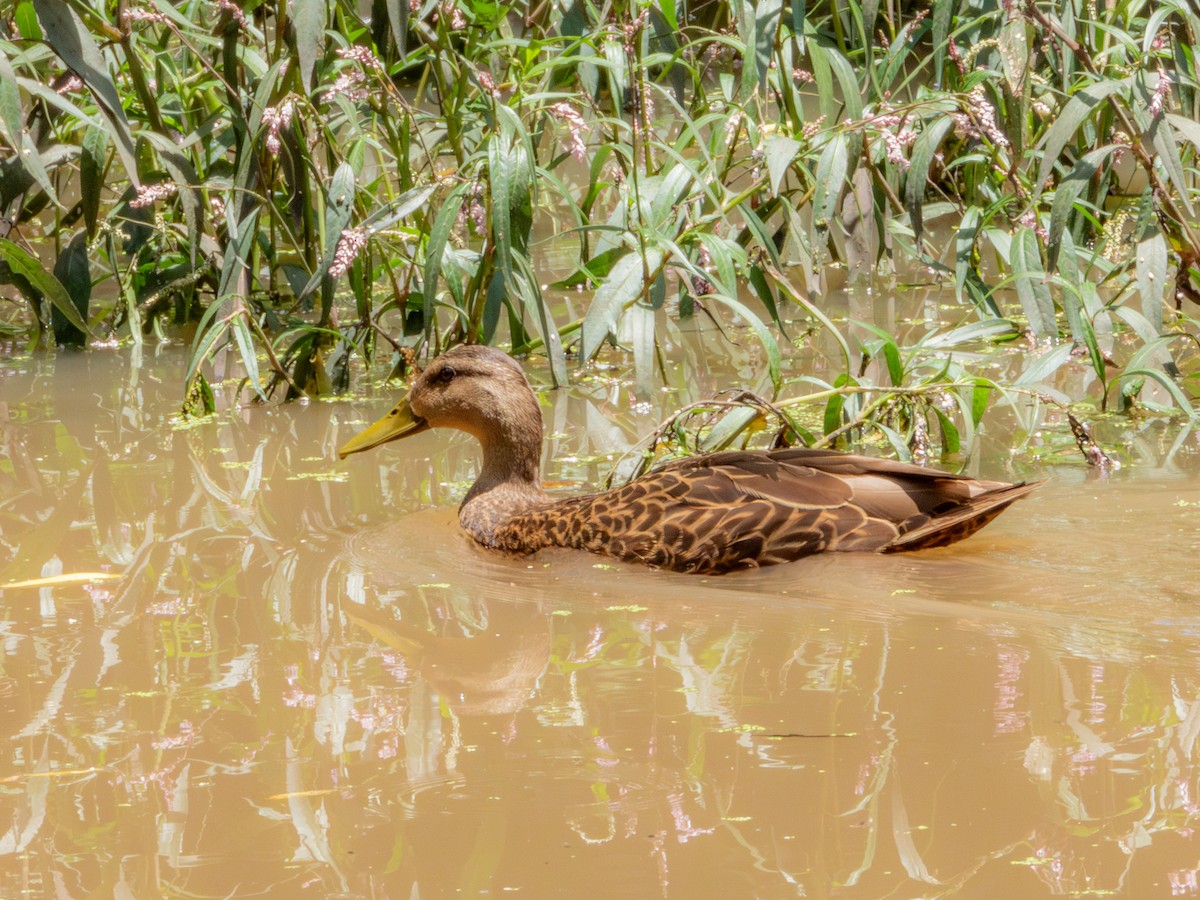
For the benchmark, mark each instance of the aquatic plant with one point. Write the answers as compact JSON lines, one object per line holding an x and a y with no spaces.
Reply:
{"x":298,"y":187}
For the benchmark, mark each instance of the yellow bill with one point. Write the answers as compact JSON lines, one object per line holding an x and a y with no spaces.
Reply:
{"x":398,"y":423}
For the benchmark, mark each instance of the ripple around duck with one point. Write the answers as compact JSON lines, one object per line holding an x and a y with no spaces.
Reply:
{"x":1053,"y":563}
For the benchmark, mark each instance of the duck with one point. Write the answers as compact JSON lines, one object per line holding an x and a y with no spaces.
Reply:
{"x":707,"y":514}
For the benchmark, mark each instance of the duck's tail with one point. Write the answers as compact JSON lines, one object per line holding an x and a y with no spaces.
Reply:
{"x":962,"y":521}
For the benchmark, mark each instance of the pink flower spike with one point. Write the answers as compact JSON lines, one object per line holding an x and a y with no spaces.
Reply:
{"x":350,"y":244}
{"x":148,"y":194}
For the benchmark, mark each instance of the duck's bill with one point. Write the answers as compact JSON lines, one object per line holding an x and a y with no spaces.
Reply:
{"x":400,"y":422}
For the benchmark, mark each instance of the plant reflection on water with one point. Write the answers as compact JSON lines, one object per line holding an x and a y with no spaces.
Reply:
{"x":304,"y":683}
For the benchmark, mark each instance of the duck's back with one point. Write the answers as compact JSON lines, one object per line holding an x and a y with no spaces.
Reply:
{"x":732,"y":510}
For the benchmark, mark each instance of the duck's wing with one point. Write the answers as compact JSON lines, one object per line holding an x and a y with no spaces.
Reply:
{"x":733,"y":510}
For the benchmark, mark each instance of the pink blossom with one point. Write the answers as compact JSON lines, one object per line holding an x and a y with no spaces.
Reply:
{"x":134,"y":14}
{"x":277,"y":118}
{"x":349,"y":245}
{"x":1030,"y":220}
{"x":577,"y":142}
{"x":361,"y":55}
{"x":147,"y":194}
{"x":73,"y":83}
{"x":979,"y":118}
{"x":1161,"y":90}
{"x":488,"y":83}
{"x":348,"y":84}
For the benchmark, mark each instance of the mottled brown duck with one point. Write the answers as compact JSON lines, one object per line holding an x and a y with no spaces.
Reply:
{"x":706,"y":514}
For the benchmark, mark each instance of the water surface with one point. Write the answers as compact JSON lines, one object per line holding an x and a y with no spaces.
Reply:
{"x":301,"y":680}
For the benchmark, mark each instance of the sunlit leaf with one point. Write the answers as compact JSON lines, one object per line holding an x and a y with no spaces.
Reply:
{"x":1041,"y":367}
{"x":940,"y":33}
{"x":70,"y":39}
{"x":1030,"y":282}
{"x":12,"y":117}
{"x":623,"y":287}
{"x":308,"y":24}
{"x":964,"y":249}
{"x":832,"y":167}
{"x":245,"y":345}
{"x":1162,"y":136}
{"x":1066,"y":195}
{"x":1074,"y":113}
{"x":1014,"y":51}
{"x":924,"y":149}
{"x":1151,"y":262}
{"x":765,"y":15}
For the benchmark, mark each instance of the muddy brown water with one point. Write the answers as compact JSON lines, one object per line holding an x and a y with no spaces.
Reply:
{"x":301,"y":680}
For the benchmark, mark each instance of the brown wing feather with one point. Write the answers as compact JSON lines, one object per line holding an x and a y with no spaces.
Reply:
{"x":723,"y":511}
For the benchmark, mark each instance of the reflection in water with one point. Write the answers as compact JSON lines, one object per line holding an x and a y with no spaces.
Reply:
{"x":307,"y":682}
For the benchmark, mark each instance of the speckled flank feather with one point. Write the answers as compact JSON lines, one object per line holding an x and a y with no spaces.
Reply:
{"x":725,"y":511}
{"x":706,"y":514}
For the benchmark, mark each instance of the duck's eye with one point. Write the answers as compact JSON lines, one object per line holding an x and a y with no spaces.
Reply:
{"x":445,"y":375}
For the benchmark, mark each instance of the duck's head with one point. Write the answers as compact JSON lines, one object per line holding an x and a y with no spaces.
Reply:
{"x":479,"y":390}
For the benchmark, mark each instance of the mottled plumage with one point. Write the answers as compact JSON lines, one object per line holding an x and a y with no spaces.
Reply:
{"x":705,"y":514}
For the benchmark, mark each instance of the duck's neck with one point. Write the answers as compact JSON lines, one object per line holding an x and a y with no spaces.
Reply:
{"x":509,"y":482}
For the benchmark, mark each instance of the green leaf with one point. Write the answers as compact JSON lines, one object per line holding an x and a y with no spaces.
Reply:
{"x":1163,"y":379}
{"x":618,"y":72}
{"x":762,"y":287}
{"x":27,"y":267}
{"x":848,"y":82}
{"x":237,"y":253}
{"x":669,"y":193}
{"x":798,"y":23}
{"x":778,"y":153}
{"x":1076,"y":111}
{"x":623,"y":287}
{"x":1162,"y":136}
{"x":1014,"y":51}
{"x":980,"y":395}
{"x":766,"y":15}
{"x":951,"y":442}
{"x":942,"y":10}
{"x":733,"y":423}
{"x":76,"y":47}
{"x":435,"y":247}
{"x":1067,"y":194}
{"x":245,"y":344}
{"x":73,"y":273}
{"x":667,"y":8}
{"x":308,"y":23}
{"x":891,"y":353}
{"x":832,"y":167}
{"x":183,"y":173}
{"x":641,"y":337}
{"x":339,"y":206}
{"x":91,"y":175}
{"x":1189,"y":128}
{"x":1031,"y":286}
{"x":397,"y":12}
{"x":27,"y":23}
{"x":1041,"y":367}
{"x":11,"y":116}
{"x":1151,"y":265}
{"x":964,"y":249}
{"x":925,"y":147}
{"x":833,"y":410}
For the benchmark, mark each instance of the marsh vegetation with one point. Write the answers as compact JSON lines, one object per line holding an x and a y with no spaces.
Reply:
{"x":314,"y":192}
